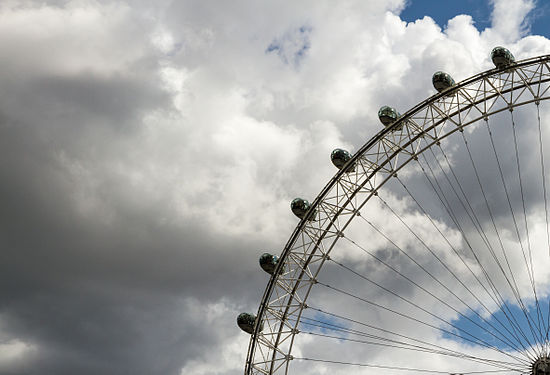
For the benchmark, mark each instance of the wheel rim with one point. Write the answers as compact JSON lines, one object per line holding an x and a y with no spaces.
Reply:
{"x":418,"y":131}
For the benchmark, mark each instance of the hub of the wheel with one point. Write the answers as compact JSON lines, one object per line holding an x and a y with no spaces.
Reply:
{"x":541,"y":366}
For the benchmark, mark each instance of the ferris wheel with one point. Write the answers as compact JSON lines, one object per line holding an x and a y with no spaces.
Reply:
{"x":429,"y":250}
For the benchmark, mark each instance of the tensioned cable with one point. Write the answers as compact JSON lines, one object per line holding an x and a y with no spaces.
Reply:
{"x":529,"y":272}
{"x":474,"y":340}
{"x":456,"y":221}
{"x":401,"y":368}
{"x":532,"y":274}
{"x":527,"y":340}
{"x":431,"y":348}
{"x":448,"y":207}
{"x":479,"y":228}
{"x":422,"y":309}
{"x":530,"y":322}
{"x":514,"y":290}
{"x":397,"y":334}
{"x":543,"y":180}
{"x":396,"y":344}
{"x":422,"y":268}
{"x":469,"y":212}
{"x":543,"y":173}
{"x":525,"y":337}
{"x":366,"y":342}
{"x":452,"y":247}
{"x":402,"y":344}
{"x":423,"y":243}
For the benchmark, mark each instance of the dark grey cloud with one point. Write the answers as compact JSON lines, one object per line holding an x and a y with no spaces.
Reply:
{"x":148,"y":155}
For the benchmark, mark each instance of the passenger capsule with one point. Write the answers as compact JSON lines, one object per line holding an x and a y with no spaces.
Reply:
{"x":387,"y":115}
{"x":300,"y":207}
{"x":246,"y":322}
{"x":442,"y":81}
{"x":268,"y":262}
{"x":340,"y":157}
{"x":502,"y":57}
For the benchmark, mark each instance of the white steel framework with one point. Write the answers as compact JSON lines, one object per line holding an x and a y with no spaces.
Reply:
{"x":423,"y":127}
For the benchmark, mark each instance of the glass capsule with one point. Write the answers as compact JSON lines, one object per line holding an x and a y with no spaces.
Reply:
{"x":246,"y":322}
{"x":268,"y":262}
{"x":442,"y":81}
{"x":502,"y":57}
{"x":387,"y":115}
{"x":340,"y":157}
{"x":300,"y":207}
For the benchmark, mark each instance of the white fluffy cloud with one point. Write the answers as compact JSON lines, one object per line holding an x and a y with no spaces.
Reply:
{"x":149,"y":154}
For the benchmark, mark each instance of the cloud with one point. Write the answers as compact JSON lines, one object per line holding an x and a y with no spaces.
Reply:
{"x":149,"y":155}
{"x":509,"y":19}
{"x":292,"y":47}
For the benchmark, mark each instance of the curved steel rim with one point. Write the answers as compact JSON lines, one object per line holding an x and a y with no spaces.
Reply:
{"x":404,"y":122}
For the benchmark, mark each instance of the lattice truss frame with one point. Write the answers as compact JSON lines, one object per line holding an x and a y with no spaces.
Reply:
{"x":381,"y":158}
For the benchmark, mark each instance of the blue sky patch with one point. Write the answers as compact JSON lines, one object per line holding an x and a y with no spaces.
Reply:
{"x":509,"y":324}
{"x":325,"y":324}
{"x":442,"y":11}
{"x":292,"y":46}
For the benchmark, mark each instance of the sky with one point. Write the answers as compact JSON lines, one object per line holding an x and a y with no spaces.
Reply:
{"x":149,"y":152}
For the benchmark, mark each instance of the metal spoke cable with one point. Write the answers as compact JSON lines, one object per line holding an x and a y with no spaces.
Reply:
{"x":423,"y":242}
{"x":366,"y":342}
{"x":473,"y":339}
{"x":522,"y":195}
{"x":543,"y":173}
{"x":444,"y":201}
{"x":431,"y":348}
{"x":402,"y":368}
{"x":439,"y":282}
{"x":395,"y":346}
{"x":529,"y":272}
{"x":540,"y":316}
{"x":336,"y":328}
{"x":503,"y":305}
{"x":512,"y":284}
{"x":513,"y":287}
{"x":543,"y":179}
{"x":505,"y":341}
{"x":461,"y":198}
{"x":400,"y":345}
{"x":456,"y":221}
{"x":438,"y":190}
{"x":456,"y":252}
{"x":505,"y":186}
{"x":354,"y":321}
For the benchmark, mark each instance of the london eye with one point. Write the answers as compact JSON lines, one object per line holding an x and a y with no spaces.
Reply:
{"x":429,"y":249}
